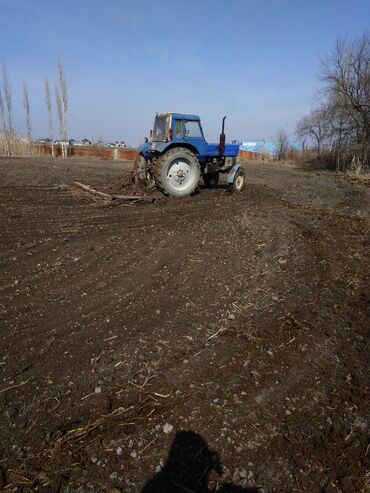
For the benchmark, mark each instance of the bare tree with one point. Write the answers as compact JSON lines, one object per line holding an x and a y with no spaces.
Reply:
{"x":27,"y":110}
{"x":8,"y":100}
{"x":58,"y":100}
{"x":61,"y":94}
{"x":50,"y":115}
{"x":315,"y":127}
{"x":282,"y":144}
{"x":64,"y":93}
{"x":342,"y":123}
{"x":2,"y":114}
{"x":6,"y":110}
{"x":345,"y":74}
{"x":61,"y":116}
{"x":3,"y":124}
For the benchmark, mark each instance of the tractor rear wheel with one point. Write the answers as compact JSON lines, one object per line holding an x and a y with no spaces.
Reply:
{"x":211,"y":179}
{"x":139,"y":169}
{"x":177,"y":172}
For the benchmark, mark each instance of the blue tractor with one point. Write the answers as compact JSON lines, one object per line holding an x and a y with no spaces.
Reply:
{"x":177,"y":155}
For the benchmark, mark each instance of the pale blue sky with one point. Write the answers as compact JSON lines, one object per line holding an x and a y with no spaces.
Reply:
{"x":254,"y":60}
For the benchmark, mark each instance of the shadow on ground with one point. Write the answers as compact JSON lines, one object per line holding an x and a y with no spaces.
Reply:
{"x":188,"y":467}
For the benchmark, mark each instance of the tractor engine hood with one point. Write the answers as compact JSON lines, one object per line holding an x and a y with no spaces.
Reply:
{"x":231,"y":150}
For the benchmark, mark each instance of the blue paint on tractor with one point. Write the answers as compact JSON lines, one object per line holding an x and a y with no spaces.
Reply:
{"x":231,"y":150}
{"x":183,"y":116}
{"x":143,"y":149}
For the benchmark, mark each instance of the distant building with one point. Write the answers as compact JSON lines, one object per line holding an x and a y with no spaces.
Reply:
{"x":120,"y":143}
{"x":61,"y":142}
{"x":43,"y":141}
{"x":262,"y":146}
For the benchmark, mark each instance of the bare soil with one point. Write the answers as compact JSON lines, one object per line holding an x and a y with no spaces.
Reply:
{"x":186,"y":344}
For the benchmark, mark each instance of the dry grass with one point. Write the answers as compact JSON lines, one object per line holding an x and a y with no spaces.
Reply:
{"x":346,"y":162}
{"x":12,"y":145}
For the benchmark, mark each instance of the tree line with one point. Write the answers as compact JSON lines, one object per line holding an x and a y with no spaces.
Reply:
{"x":10,"y":141}
{"x":338,"y":127}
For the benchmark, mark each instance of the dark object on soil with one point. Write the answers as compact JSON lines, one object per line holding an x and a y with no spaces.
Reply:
{"x":188,"y":467}
{"x":2,"y":479}
{"x":211,"y":179}
{"x":232,"y":488}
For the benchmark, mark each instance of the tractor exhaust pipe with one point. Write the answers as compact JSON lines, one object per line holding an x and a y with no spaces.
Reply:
{"x":221,"y":146}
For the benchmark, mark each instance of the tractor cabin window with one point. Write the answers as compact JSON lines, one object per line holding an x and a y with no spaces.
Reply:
{"x":192,"y":129}
{"x":160,"y":127}
{"x":178,"y":128}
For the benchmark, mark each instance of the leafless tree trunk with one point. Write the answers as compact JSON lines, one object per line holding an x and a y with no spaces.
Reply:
{"x":62,"y":103}
{"x":8,"y":99}
{"x":27,"y":110}
{"x":282,"y":139}
{"x":50,"y":115}
{"x":3,"y":122}
{"x":58,"y":100}
{"x":8,"y":113}
{"x":2,"y":114}
{"x":64,"y":94}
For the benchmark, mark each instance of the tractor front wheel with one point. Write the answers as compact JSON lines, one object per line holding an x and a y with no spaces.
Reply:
{"x":239,"y":181}
{"x":177,"y":172}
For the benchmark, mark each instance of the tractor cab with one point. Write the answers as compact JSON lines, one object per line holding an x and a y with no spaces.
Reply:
{"x":176,"y":129}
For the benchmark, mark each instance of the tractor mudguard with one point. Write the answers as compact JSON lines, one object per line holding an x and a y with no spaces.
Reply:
{"x":143,"y":150}
{"x":231,"y":173}
{"x":160,"y":147}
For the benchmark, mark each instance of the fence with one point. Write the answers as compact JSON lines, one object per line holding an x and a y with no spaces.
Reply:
{"x":247,"y":155}
{"x":117,"y":153}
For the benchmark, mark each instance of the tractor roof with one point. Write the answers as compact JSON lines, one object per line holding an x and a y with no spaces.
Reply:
{"x":182,"y":116}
